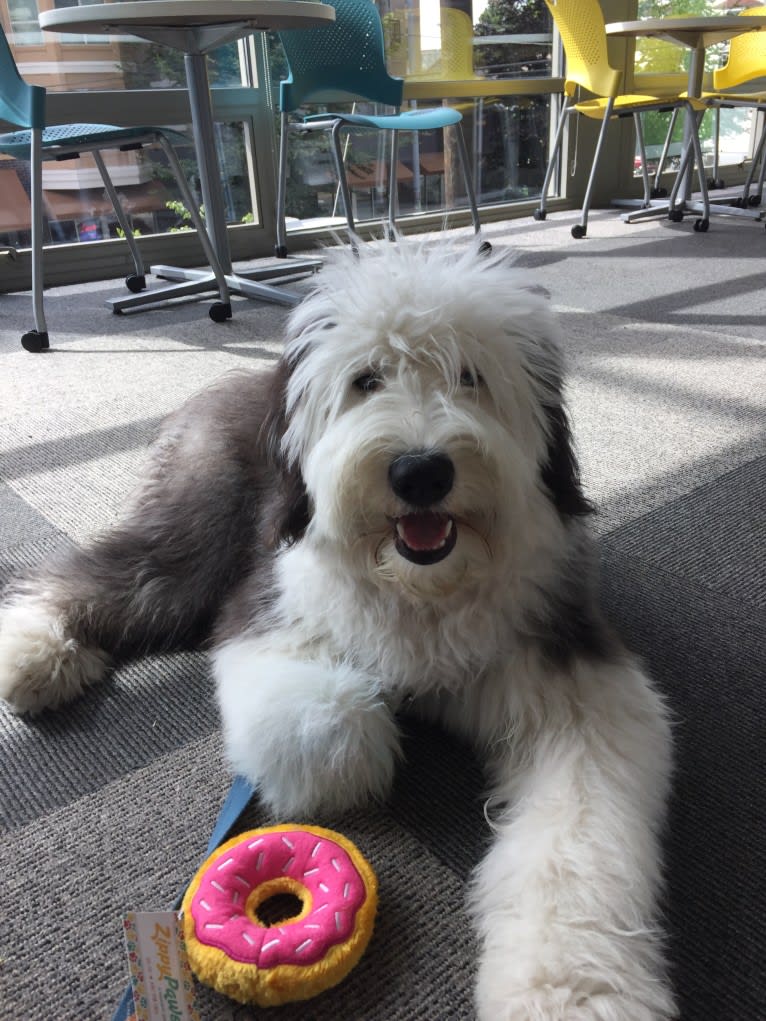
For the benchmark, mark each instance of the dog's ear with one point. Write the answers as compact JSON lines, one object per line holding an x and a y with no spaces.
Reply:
{"x":287,"y":513}
{"x":560,"y":472}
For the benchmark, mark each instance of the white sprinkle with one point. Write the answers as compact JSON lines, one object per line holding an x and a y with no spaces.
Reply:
{"x":217,"y":886}
{"x":213,"y":925}
{"x":243,"y":881}
{"x":248,"y":939}
{"x":335,"y":865}
{"x":310,"y":925}
{"x":288,"y":864}
{"x":316,"y":849}
{"x":259,"y":862}
{"x":255,"y":843}
{"x":304,"y":944}
{"x":310,"y":872}
{"x":286,"y":841}
{"x":323,"y":888}
{"x":225,"y":864}
{"x":346,"y":888}
{"x":338,"y":920}
{"x":235,"y":897}
{"x":204,"y":904}
{"x":271,"y":943}
{"x":323,"y":908}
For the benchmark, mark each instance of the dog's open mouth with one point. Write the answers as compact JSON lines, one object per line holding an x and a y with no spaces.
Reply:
{"x":425,"y":537}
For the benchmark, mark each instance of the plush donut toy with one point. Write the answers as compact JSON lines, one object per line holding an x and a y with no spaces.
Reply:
{"x":279,"y":914}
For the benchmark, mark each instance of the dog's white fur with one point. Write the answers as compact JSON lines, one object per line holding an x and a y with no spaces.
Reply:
{"x":463,"y":359}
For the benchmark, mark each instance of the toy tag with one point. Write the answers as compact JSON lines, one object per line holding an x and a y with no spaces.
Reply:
{"x":163,"y":987}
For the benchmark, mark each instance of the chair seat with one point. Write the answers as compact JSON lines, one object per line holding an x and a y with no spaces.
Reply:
{"x":410,"y":120}
{"x":17,"y":143}
{"x":735,"y":98}
{"x":596,"y":108}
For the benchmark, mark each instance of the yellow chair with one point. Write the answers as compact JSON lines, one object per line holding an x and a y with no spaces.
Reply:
{"x":746,"y":62}
{"x":581,"y":26}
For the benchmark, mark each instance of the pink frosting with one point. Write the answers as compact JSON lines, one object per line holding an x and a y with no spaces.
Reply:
{"x":320,"y":865}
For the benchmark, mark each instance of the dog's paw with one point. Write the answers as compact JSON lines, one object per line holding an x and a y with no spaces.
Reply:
{"x":311,"y":737}
{"x":524,"y":987}
{"x":41,"y":664}
{"x":564,"y":1004}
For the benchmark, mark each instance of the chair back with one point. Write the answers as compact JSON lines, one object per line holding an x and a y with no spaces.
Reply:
{"x":21,"y":105}
{"x":346,"y":57}
{"x":747,"y":57}
{"x":581,"y":27}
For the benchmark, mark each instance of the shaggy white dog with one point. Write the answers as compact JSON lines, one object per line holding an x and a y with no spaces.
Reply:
{"x":395,"y":512}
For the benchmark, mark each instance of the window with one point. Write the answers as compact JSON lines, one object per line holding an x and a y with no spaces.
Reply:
{"x":492,"y":60}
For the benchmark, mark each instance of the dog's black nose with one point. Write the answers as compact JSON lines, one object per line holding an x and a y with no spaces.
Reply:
{"x":421,"y":478}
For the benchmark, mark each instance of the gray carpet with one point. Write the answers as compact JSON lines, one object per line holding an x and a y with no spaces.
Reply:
{"x":107,"y":805}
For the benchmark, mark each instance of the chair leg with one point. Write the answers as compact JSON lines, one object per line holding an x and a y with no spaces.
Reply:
{"x":762,"y":175}
{"x":701,"y":224}
{"x":138,"y":282}
{"x":657,"y":190}
{"x":581,"y":229}
{"x":758,"y":155}
{"x":540,"y":213}
{"x":37,"y":339}
{"x":280,"y":249}
{"x":191,"y":203}
{"x":715,"y":181}
{"x":462,"y":152}
{"x":393,"y":188}
{"x":342,"y":181}
{"x":642,"y":150}
{"x":694,"y":149}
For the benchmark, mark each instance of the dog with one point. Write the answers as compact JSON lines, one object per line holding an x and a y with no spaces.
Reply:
{"x":393,"y":514}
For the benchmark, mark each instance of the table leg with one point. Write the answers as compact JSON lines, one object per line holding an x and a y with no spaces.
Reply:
{"x":203,"y":127}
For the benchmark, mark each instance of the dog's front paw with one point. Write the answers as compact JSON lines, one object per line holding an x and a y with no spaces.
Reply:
{"x":518,"y":988}
{"x":41,"y":664}
{"x":309,"y":736}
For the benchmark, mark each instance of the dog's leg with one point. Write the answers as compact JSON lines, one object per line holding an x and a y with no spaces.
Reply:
{"x":153,"y":583}
{"x":565,"y":900}
{"x":311,"y":735}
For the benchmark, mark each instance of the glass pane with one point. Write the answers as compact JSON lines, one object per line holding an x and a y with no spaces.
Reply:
{"x":460,"y":40}
{"x":507,"y":136}
{"x":76,"y":203}
{"x":77,"y":207}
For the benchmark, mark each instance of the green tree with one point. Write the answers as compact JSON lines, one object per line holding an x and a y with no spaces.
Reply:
{"x":509,"y":17}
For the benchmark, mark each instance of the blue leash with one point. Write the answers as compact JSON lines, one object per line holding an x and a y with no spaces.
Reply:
{"x":237,"y":800}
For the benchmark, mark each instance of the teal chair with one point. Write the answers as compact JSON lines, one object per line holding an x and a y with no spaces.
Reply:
{"x":23,"y":106}
{"x":346,"y":61}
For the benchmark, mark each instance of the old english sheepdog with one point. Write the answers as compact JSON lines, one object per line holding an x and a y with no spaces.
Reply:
{"x":394,"y":513}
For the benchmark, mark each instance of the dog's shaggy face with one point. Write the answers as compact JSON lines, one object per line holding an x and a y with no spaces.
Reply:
{"x":423,"y":425}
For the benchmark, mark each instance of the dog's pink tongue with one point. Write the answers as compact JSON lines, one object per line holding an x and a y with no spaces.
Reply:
{"x":425,"y":531}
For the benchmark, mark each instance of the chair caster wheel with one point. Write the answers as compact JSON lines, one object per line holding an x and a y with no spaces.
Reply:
{"x":35,"y":341}
{"x":135,"y":283}
{"x":578,"y":231}
{"x":485,"y":248}
{"x":220,"y":311}
{"x":738,"y":203}
{"x":701,"y":226}
{"x":716,"y":182}
{"x":675,"y":215}
{"x":280,"y":251}
{"x":754,"y":200}
{"x":658,"y":193}
{"x":539,"y":214}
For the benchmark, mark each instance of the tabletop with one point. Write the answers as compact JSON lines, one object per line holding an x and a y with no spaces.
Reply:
{"x":702,"y":31}
{"x":252,"y":15}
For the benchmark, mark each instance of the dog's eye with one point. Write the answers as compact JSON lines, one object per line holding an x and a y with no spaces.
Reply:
{"x":368,"y":383}
{"x":470,"y":379}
